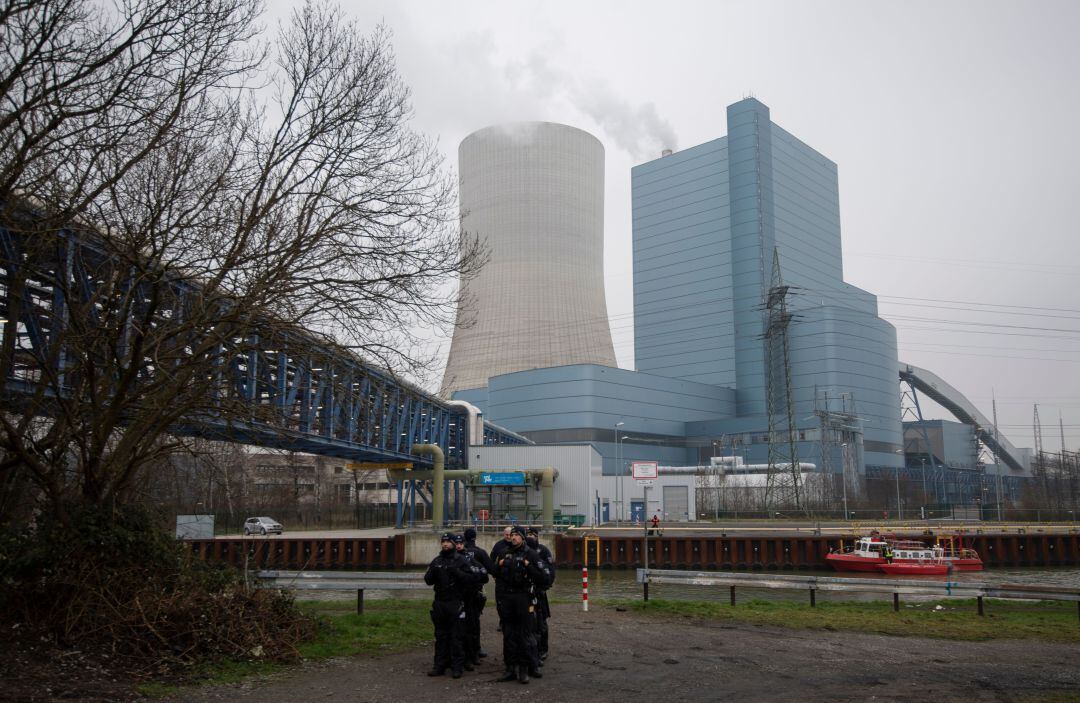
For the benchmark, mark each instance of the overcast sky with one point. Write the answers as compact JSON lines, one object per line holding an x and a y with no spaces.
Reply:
{"x":954,"y":126}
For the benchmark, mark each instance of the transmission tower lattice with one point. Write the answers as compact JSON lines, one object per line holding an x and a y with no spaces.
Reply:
{"x":782,"y":487}
{"x":1038,"y":441}
{"x":839,"y":428}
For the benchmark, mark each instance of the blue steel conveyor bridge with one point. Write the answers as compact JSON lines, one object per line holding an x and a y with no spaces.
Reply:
{"x":304,"y":393}
{"x":935,"y":388}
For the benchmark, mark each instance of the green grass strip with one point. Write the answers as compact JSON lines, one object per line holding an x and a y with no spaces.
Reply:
{"x":387,"y":626}
{"x":1049,"y":621}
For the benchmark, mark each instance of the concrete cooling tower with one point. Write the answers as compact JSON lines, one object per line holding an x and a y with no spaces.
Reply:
{"x":534,"y":192}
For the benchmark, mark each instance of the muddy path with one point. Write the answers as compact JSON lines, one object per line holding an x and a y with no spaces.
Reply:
{"x":610,"y":656}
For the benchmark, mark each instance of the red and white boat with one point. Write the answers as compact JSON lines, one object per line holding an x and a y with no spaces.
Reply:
{"x":875,"y":552}
{"x":865,"y":555}
{"x":926,"y":568}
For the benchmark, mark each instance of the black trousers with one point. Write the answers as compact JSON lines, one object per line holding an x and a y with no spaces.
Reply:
{"x":474,"y":606}
{"x":541,"y":627}
{"x":449,"y":619}
{"x":518,"y":623}
{"x":543,"y":612}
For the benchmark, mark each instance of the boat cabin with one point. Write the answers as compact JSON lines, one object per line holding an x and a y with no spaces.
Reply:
{"x":870,"y":547}
{"x":905,"y":550}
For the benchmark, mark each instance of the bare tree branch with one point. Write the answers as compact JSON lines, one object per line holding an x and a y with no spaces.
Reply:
{"x":218,"y":201}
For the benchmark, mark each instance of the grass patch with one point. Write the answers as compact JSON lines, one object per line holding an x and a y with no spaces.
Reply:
{"x":956,"y":619}
{"x":387,"y":626}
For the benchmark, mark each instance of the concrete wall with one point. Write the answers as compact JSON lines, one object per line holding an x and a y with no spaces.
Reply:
{"x":421,"y":547}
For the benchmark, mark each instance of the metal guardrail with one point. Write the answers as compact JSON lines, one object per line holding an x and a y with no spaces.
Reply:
{"x":343,"y":581}
{"x":897,"y":587}
{"x":856,"y":527}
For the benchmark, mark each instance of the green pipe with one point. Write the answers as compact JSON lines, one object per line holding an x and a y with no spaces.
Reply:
{"x":547,"y":483}
{"x":439,"y":474}
{"x":437,"y":478}
{"x":429,"y":475}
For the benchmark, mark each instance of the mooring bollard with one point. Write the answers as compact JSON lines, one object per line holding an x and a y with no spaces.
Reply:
{"x":813,"y":597}
{"x":732,"y":596}
{"x":585,"y":588}
{"x":359,"y":601}
{"x":896,"y":602}
{"x":979,"y":598}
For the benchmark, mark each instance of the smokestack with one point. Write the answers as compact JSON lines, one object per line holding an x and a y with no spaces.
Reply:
{"x":665,"y":152}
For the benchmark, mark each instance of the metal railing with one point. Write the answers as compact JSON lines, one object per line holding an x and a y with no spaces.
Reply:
{"x":897,"y":587}
{"x":343,"y":581}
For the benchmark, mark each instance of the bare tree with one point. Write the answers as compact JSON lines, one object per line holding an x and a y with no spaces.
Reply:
{"x":213,"y":203}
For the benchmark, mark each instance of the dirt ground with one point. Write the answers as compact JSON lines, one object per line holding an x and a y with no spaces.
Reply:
{"x":606,"y":655}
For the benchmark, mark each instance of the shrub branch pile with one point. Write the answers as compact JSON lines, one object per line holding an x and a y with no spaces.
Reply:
{"x":118,"y":584}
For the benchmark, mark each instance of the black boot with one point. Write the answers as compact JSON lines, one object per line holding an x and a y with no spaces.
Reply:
{"x":536,"y":672}
{"x":508,"y":675}
{"x":523,"y":674}
{"x":436,"y":671}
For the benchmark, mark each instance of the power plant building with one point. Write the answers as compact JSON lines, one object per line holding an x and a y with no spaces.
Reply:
{"x":745,"y":330}
{"x":707,"y":222}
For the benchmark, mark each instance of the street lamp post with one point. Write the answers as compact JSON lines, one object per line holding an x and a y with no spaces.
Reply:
{"x":622,"y":475}
{"x":843,"y":475}
{"x":896,"y":469}
{"x":923,"y":460}
{"x":999,"y":497}
{"x":618,"y":473}
{"x":356,"y":492}
{"x":899,"y":510}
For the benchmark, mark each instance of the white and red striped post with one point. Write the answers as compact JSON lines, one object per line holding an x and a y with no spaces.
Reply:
{"x":585,"y":588}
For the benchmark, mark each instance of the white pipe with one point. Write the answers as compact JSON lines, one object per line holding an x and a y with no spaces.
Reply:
{"x":476,"y":421}
{"x":804,"y":466}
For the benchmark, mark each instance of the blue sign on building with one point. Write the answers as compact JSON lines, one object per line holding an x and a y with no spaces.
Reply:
{"x":502,"y":478}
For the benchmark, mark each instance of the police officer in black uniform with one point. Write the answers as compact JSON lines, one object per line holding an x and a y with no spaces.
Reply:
{"x":450,"y":575}
{"x":473,"y":595}
{"x":497,"y":550}
{"x":502,"y":545}
{"x":517,"y":572}
{"x":542,"y":609}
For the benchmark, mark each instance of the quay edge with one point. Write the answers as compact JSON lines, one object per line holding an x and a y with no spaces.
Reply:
{"x":776,"y":550}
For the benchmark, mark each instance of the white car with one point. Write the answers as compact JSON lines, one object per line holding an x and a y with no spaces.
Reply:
{"x":261,"y":525}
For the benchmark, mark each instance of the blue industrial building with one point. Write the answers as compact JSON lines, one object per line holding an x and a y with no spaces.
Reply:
{"x":707,"y":223}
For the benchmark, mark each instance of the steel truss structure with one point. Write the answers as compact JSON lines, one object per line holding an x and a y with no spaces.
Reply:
{"x":296,"y":390}
{"x":783,"y":487}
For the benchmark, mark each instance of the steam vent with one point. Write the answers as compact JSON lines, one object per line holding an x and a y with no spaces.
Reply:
{"x":534,"y":192}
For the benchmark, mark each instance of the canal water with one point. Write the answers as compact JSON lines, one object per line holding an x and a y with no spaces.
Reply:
{"x":619,"y":584}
